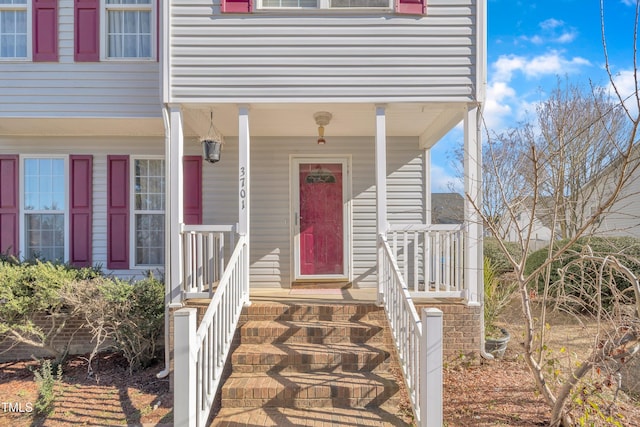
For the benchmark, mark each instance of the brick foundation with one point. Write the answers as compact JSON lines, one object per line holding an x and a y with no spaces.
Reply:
{"x":461,"y":324}
{"x":77,"y":337}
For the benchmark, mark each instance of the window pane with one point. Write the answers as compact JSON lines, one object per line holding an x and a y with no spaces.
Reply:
{"x":13,"y":33}
{"x":149,"y":239}
{"x":45,"y":236}
{"x":44,"y":184}
{"x":149,"y":196}
{"x":129,"y":33}
{"x":359,"y":3}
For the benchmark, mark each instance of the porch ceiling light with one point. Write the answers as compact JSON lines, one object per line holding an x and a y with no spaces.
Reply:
{"x":322,"y":119}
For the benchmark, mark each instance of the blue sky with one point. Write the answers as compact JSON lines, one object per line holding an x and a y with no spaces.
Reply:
{"x":532,"y":43}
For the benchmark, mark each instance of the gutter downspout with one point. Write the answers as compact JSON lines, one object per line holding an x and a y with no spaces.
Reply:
{"x":167,"y":285}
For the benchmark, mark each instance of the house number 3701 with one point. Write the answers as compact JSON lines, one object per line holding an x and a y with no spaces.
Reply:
{"x":243,"y":188}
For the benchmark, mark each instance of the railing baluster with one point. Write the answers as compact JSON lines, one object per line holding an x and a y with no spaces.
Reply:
{"x":416,"y":262}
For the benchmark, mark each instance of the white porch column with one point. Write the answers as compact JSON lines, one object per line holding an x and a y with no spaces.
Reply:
{"x":427,"y":187}
{"x":244,"y":162}
{"x":473,"y":222}
{"x":381,"y":190}
{"x":174,"y":200}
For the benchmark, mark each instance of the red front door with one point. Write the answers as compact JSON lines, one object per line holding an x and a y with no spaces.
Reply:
{"x":321,"y":219}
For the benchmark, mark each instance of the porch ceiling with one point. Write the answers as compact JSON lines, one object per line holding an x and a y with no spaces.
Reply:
{"x":37,"y":126}
{"x":428,"y":121}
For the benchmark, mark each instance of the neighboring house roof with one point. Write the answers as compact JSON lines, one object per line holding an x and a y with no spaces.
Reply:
{"x":447,"y":208}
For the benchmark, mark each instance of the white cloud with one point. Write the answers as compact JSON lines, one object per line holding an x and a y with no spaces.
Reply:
{"x":629,"y":2}
{"x":567,"y":37}
{"x":550,"y":24}
{"x":552,"y":31}
{"x":625,"y":83}
{"x":553,"y":63}
{"x":504,"y":104}
{"x":550,"y":63}
{"x":442,"y":181}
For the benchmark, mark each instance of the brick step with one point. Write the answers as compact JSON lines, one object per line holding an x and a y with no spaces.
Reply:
{"x":288,"y":417}
{"x":317,"y":332}
{"x":310,"y":390}
{"x":308,"y":312}
{"x":305,"y":357}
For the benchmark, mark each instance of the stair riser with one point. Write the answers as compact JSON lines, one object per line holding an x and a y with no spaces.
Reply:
{"x":311,"y":313}
{"x":369,"y":362}
{"x":316,"y":335}
{"x":312,"y":317}
{"x":310,"y":403}
{"x":294,"y":339}
{"x":308,"y":397}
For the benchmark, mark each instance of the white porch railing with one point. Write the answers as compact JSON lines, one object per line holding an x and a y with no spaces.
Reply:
{"x":430,"y":258}
{"x":204,"y":248}
{"x":200,"y":354}
{"x":418,"y":342}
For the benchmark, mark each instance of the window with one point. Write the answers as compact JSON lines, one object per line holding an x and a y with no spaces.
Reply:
{"x":128,"y":26}
{"x":148,"y":212}
{"x":14,"y":34}
{"x":44,"y":201}
{"x":325,"y":4}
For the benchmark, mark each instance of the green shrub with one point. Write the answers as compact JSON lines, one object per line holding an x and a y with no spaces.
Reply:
{"x":131,"y":315}
{"x":137,"y":318}
{"x":48,"y":386}
{"x":581,"y":279}
{"x":29,"y":290}
{"x":497,"y":257}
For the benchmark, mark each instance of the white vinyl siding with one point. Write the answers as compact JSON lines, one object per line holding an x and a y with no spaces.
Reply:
{"x":44,"y":89}
{"x":291,"y":57}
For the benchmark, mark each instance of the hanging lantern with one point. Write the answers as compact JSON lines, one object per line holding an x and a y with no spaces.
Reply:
{"x":211,"y":150}
{"x":212,"y":144}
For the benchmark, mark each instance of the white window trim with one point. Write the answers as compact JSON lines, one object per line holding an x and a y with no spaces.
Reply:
{"x":133,"y":211}
{"x":23,"y":211}
{"x":325,"y":5}
{"x":103,"y":30}
{"x":26,"y":7}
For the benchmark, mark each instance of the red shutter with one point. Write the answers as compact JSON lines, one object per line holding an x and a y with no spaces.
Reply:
{"x":118,"y":212}
{"x":9,"y":209}
{"x":192,"y":166}
{"x":80,"y":210}
{"x":416,"y":7}
{"x":86,"y":31}
{"x":236,"y":6}
{"x":45,"y":30}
